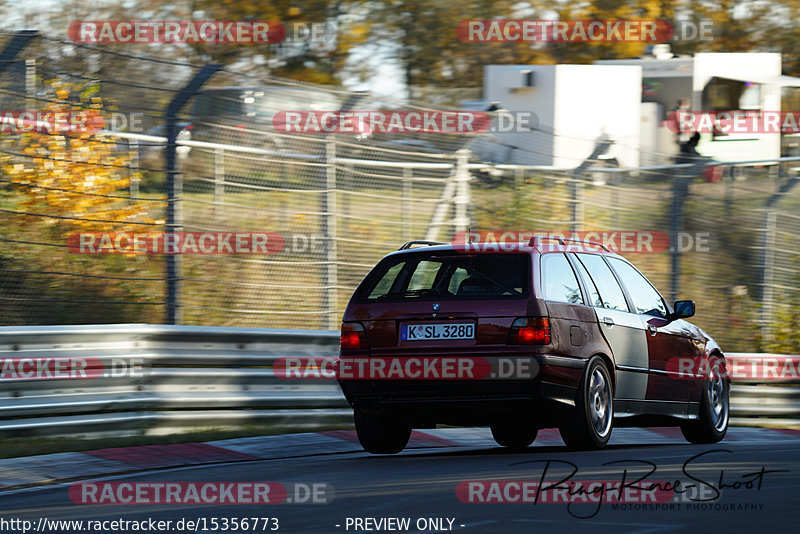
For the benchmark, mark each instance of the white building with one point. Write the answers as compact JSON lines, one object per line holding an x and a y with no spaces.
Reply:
{"x":628,"y":101}
{"x":712,"y":82}
{"x":576,"y":106}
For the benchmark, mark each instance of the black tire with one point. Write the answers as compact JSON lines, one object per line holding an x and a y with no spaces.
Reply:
{"x":712,"y":422}
{"x":514,"y":436}
{"x":381,"y":433}
{"x":588,"y":425}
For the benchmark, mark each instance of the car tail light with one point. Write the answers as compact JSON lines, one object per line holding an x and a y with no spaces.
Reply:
{"x":530,"y":331}
{"x":353,"y":336}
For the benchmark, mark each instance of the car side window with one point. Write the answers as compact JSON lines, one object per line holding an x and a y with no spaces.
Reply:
{"x":559,"y":281}
{"x":594,"y":294}
{"x":611,"y":293}
{"x":384,"y":285}
{"x":645,"y":298}
{"x":424,"y":275}
{"x":459,"y":275}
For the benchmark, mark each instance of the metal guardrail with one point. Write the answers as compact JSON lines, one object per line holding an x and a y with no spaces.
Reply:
{"x":774,"y":403}
{"x":161,"y":378}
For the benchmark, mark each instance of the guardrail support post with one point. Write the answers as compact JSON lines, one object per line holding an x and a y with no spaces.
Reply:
{"x":175,"y":187}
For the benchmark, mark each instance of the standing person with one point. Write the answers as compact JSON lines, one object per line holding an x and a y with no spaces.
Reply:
{"x":688,"y":151}
{"x":683,"y":104}
{"x":673,"y":123}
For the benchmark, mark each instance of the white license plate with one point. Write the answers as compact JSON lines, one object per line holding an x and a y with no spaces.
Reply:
{"x":414,"y":332}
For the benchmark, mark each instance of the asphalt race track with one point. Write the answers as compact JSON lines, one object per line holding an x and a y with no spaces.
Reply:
{"x":759,"y":483}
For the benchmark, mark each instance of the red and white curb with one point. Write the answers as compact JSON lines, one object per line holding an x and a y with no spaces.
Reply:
{"x":51,"y":468}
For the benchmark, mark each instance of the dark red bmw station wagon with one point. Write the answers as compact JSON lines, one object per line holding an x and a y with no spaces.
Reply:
{"x":550,"y":334}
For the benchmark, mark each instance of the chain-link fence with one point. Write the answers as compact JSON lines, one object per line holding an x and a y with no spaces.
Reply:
{"x":193,"y":148}
{"x":338,"y":201}
{"x":730,"y":242}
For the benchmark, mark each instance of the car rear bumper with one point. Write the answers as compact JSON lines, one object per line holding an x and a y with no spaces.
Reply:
{"x":470,"y":401}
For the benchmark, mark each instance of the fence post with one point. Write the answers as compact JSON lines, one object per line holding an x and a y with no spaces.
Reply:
{"x":613,"y":182}
{"x":30,"y":82}
{"x":219,"y":179}
{"x":330,"y":297}
{"x":519,"y":179}
{"x":133,"y":168}
{"x":443,"y":206}
{"x":675,"y":225}
{"x":768,"y":279}
{"x":330,"y":302}
{"x":577,"y":204}
{"x":407,"y":177}
{"x":175,"y":187}
{"x":681,"y":178}
{"x":767,"y":274}
{"x":576,"y":181}
{"x":462,"y":196}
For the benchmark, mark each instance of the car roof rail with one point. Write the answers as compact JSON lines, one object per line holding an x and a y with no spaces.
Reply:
{"x":410,"y":244}
{"x":534,"y":242}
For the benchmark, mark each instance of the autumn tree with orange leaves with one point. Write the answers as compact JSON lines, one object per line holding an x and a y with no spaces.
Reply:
{"x":75,"y":179}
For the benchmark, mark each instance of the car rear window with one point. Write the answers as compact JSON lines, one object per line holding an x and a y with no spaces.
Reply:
{"x":447,"y":276}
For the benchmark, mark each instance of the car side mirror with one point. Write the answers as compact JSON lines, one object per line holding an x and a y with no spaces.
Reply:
{"x":683,"y":309}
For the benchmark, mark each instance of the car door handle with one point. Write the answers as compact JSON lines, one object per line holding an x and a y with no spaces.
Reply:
{"x":652,"y":329}
{"x":609,"y":321}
